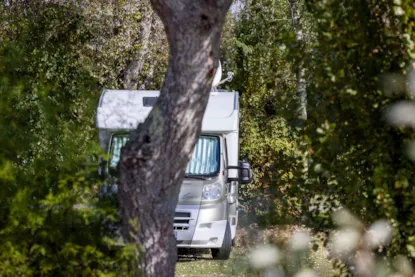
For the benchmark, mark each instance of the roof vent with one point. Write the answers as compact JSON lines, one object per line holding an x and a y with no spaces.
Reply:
{"x":149,"y":101}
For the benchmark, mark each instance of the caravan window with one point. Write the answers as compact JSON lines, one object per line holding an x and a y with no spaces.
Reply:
{"x":117,"y":142}
{"x":205,"y":160}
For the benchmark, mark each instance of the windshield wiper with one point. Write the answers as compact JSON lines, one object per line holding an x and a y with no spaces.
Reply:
{"x":195,"y":177}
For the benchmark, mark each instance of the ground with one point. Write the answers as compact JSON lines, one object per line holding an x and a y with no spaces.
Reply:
{"x":194,"y":263}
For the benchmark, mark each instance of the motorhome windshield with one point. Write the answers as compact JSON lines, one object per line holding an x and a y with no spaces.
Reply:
{"x":204,"y":162}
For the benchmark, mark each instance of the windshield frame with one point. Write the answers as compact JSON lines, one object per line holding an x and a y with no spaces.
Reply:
{"x":218,"y":169}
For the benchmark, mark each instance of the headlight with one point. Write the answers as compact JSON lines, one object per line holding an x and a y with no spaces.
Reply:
{"x":212,"y":191}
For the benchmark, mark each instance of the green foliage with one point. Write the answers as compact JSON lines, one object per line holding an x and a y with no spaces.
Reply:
{"x":263,"y":75}
{"x":355,"y":159}
{"x":116,"y":29}
{"x":353,"y":53}
{"x":53,"y":220}
{"x":55,"y":58}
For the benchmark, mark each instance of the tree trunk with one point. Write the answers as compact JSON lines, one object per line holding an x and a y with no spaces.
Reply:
{"x":149,"y":76}
{"x":301,"y":89}
{"x":132,"y":71}
{"x":301,"y":95}
{"x":153,"y":162}
{"x":156,"y":45}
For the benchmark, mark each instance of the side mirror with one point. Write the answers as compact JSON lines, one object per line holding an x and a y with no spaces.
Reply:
{"x":102,"y":168}
{"x":244,"y":173}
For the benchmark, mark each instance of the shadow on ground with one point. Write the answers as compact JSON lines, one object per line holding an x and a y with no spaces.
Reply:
{"x":190,"y":255}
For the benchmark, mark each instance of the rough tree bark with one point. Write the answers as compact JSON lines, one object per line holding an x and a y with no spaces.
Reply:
{"x":153,"y":162}
{"x":301,"y":89}
{"x":129,"y":79}
{"x":157,"y":41}
{"x":149,"y":76}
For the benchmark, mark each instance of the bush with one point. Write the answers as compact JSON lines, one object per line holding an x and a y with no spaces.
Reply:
{"x":53,"y":220}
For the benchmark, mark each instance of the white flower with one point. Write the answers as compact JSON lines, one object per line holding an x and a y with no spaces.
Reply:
{"x":344,"y":218}
{"x":364,"y":263}
{"x":318,"y":168}
{"x":306,"y":273}
{"x":344,"y":242}
{"x":300,"y":240}
{"x":401,"y":114}
{"x":398,"y":11}
{"x":265,"y":256}
{"x":379,"y":234}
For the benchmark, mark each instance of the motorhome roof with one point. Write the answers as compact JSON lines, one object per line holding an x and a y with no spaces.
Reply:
{"x":124,"y":109}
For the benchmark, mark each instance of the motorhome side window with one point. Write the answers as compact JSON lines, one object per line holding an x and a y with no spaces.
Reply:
{"x":205,"y":160}
{"x":117,"y":142}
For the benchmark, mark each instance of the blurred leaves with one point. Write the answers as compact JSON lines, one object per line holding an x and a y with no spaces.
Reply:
{"x":255,"y":48}
{"x":49,"y":153}
{"x":361,"y":66}
{"x":358,"y":64}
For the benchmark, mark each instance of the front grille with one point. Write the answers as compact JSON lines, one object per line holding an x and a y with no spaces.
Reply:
{"x":182,"y":214}
{"x":181,"y":220}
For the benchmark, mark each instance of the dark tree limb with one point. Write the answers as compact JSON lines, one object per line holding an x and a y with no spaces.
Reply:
{"x":153,"y":162}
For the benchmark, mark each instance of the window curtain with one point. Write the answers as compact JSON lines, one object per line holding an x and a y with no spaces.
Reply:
{"x":117,"y":143}
{"x":205,"y":159}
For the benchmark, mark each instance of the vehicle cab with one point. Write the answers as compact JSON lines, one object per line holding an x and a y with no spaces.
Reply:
{"x":207,"y":211}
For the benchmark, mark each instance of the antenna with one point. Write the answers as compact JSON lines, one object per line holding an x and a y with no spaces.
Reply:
{"x":227,"y":79}
{"x":216,"y":81}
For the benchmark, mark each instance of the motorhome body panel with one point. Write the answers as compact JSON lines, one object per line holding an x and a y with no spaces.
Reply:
{"x":205,"y":228}
{"x":125,"y":109}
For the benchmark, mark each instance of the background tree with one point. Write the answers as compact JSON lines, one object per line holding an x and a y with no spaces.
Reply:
{"x":128,"y":46}
{"x":356,"y":58}
{"x":261,"y":45}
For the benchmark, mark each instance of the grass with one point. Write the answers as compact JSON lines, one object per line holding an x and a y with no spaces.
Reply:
{"x":194,"y":263}
{"x":205,"y":266}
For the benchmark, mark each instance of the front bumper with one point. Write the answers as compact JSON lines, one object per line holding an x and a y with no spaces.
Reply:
{"x":205,"y":235}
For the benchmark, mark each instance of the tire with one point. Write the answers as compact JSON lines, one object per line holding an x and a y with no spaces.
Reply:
{"x":224,"y":252}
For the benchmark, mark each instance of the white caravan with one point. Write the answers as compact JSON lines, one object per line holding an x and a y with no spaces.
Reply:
{"x":207,"y":211}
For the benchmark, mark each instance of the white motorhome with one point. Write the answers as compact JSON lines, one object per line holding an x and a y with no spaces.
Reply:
{"x":207,"y":211}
